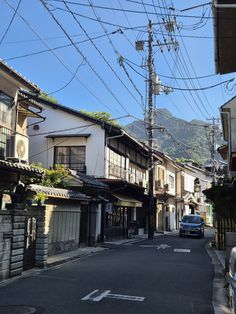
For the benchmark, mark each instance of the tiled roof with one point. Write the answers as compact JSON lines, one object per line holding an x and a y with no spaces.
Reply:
{"x":22,"y":168}
{"x":58,"y":193}
{"x":7,"y":68}
{"x":90,"y":181}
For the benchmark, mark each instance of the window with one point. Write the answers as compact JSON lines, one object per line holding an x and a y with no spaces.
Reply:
{"x":160,"y":174}
{"x":72,"y":157}
{"x":171,"y":182}
{"x":5,"y":109}
{"x":5,"y":144}
{"x":116,"y":165}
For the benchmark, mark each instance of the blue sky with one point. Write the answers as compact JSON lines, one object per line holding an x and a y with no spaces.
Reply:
{"x":101,"y":84}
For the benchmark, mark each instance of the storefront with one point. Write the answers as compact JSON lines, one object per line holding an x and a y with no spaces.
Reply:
{"x":121,"y":216}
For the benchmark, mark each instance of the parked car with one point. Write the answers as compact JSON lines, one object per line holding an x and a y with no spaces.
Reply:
{"x":192,"y":225}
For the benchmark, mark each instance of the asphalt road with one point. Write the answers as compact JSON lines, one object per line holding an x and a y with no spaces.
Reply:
{"x":142,"y":278}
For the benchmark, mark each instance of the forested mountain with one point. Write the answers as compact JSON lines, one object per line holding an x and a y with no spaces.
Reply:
{"x":180,"y":138}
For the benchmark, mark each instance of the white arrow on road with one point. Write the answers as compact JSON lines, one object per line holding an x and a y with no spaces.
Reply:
{"x":162,"y":246}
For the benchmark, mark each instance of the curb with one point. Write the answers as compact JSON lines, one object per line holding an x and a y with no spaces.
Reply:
{"x":219,"y":295}
{"x":73,"y":257}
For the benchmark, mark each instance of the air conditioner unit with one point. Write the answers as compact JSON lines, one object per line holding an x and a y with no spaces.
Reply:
{"x":159,"y":184}
{"x":20,"y":148}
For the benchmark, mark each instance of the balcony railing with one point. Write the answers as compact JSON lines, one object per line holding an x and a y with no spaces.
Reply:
{"x":116,"y":171}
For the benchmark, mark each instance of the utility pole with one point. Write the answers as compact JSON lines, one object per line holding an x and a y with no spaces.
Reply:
{"x":154,"y":88}
{"x":213,"y":147}
{"x":150,"y":136}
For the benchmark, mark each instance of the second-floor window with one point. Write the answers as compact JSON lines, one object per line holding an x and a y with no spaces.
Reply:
{"x":171,"y":182}
{"x":116,"y":164}
{"x":5,"y":109}
{"x":72,"y":157}
{"x":5,"y":143}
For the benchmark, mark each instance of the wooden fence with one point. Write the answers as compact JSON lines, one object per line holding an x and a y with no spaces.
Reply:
{"x":223,"y":225}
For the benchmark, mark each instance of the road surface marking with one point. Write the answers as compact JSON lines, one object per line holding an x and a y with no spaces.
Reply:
{"x":182,"y":250}
{"x":162,"y":246}
{"x":98,"y":295}
{"x":125,"y":297}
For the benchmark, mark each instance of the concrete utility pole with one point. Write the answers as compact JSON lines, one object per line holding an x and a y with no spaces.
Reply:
{"x":213,"y":147}
{"x":154,"y":88}
{"x":150,"y":135}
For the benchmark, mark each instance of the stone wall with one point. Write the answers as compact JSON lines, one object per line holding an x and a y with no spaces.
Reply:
{"x":18,"y":237}
{"x":13,"y":236}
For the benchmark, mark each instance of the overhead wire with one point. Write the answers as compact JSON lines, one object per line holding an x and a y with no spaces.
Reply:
{"x":191,"y":64}
{"x":85,"y":58}
{"x":187,"y":101}
{"x":187,"y":89}
{"x":70,"y":80}
{"x":118,"y":55}
{"x":57,"y":57}
{"x":173,"y":77}
{"x":58,"y":47}
{"x":150,"y":13}
{"x":184,"y":69}
{"x":101,"y":54}
{"x":10,"y":23}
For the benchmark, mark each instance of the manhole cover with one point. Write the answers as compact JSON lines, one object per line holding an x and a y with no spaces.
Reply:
{"x":17,"y":309}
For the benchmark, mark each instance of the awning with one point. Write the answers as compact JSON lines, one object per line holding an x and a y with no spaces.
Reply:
{"x":127,"y":201}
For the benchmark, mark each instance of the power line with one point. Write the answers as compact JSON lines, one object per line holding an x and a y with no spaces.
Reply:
{"x":71,"y":79}
{"x":141,"y":12}
{"x":58,"y":47}
{"x":173,"y":77}
{"x":196,"y":76}
{"x":196,"y":6}
{"x":83,"y":56}
{"x":138,"y":28}
{"x":180,"y":71}
{"x":188,"y":89}
{"x":56,"y":56}
{"x":57,"y":144}
{"x":100,"y":53}
{"x":12,"y":19}
{"x":120,"y":58}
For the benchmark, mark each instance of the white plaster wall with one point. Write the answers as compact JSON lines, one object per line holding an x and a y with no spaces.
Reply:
{"x":41,"y":149}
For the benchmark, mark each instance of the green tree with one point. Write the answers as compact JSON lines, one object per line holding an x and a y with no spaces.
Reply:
{"x":53,"y":177}
{"x":101,"y":115}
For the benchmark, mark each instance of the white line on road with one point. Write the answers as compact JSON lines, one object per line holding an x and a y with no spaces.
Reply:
{"x":162,"y":246}
{"x":182,"y":250}
{"x":125,"y":297}
{"x":98,"y":295}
